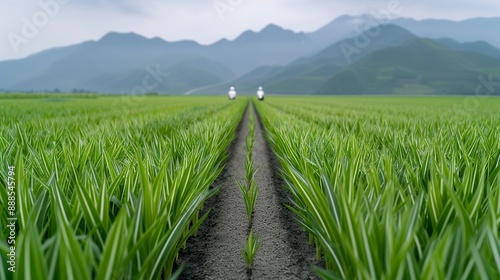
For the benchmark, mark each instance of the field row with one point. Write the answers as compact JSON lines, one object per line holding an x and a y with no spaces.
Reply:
{"x":392,"y":188}
{"x":113,"y":187}
{"x":107,"y":189}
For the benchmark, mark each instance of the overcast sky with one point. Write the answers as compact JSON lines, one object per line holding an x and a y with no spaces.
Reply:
{"x":28,"y":26}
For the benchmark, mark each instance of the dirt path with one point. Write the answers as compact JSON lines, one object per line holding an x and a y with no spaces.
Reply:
{"x":215,"y":252}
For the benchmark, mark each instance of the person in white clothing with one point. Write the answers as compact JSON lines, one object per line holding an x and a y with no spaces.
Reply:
{"x":260,"y":93}
{"x":232,"y":93}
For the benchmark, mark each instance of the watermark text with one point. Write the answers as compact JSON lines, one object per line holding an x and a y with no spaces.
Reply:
{"x":31,"y":26}
{"x":11,"y":218}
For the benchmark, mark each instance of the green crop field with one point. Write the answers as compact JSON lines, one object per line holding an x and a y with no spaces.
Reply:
{"x":114,"y":187}
{"x":393,"y":188}
{"x":109,"y":191}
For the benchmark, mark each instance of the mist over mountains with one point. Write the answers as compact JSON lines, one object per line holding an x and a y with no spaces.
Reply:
{"x":344,"y":57}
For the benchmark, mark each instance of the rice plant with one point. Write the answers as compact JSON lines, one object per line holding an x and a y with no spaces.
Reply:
{"x":251,"y":247}
{"x":249,"y":188}
{"x":107,"y":195}
{"x":250,"y":194}
{"x":392,"y":188}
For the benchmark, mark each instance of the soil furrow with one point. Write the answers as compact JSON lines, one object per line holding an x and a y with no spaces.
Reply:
{"x":215,"y":252}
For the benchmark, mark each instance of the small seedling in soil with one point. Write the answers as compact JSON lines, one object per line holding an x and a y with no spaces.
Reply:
{"x":250,"y":171}
{"x":251,"y":247}
{"x":250,"y":194}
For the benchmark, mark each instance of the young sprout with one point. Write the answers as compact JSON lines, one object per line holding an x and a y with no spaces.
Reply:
{"x":251,"y":247}
{"x":250,"y":196}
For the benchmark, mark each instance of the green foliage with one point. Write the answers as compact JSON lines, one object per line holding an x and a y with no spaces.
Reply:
{"x":106,"y":189}
{"x":250,"y":194}
{"x":400,"y":188}
{"x":251,"y":247}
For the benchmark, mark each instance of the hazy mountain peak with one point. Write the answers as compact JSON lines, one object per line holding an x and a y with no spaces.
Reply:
{"x":117,"y":37}
{"x":130,"y":39}
{"x":272,"y":28}
{"x":271,"y":32}
{"x":345,"y":21}
{"x":158,"y":40}
{"x":369,"y":40}
{"x":342,"y":19}
{"x":469,"y":30}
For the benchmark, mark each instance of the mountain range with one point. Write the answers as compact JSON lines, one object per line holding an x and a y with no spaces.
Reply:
{"x":403,"y":57}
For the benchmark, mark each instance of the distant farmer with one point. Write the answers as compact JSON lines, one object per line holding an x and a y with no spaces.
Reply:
{"x":260,"y":93}
{"x":232,"y":93}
